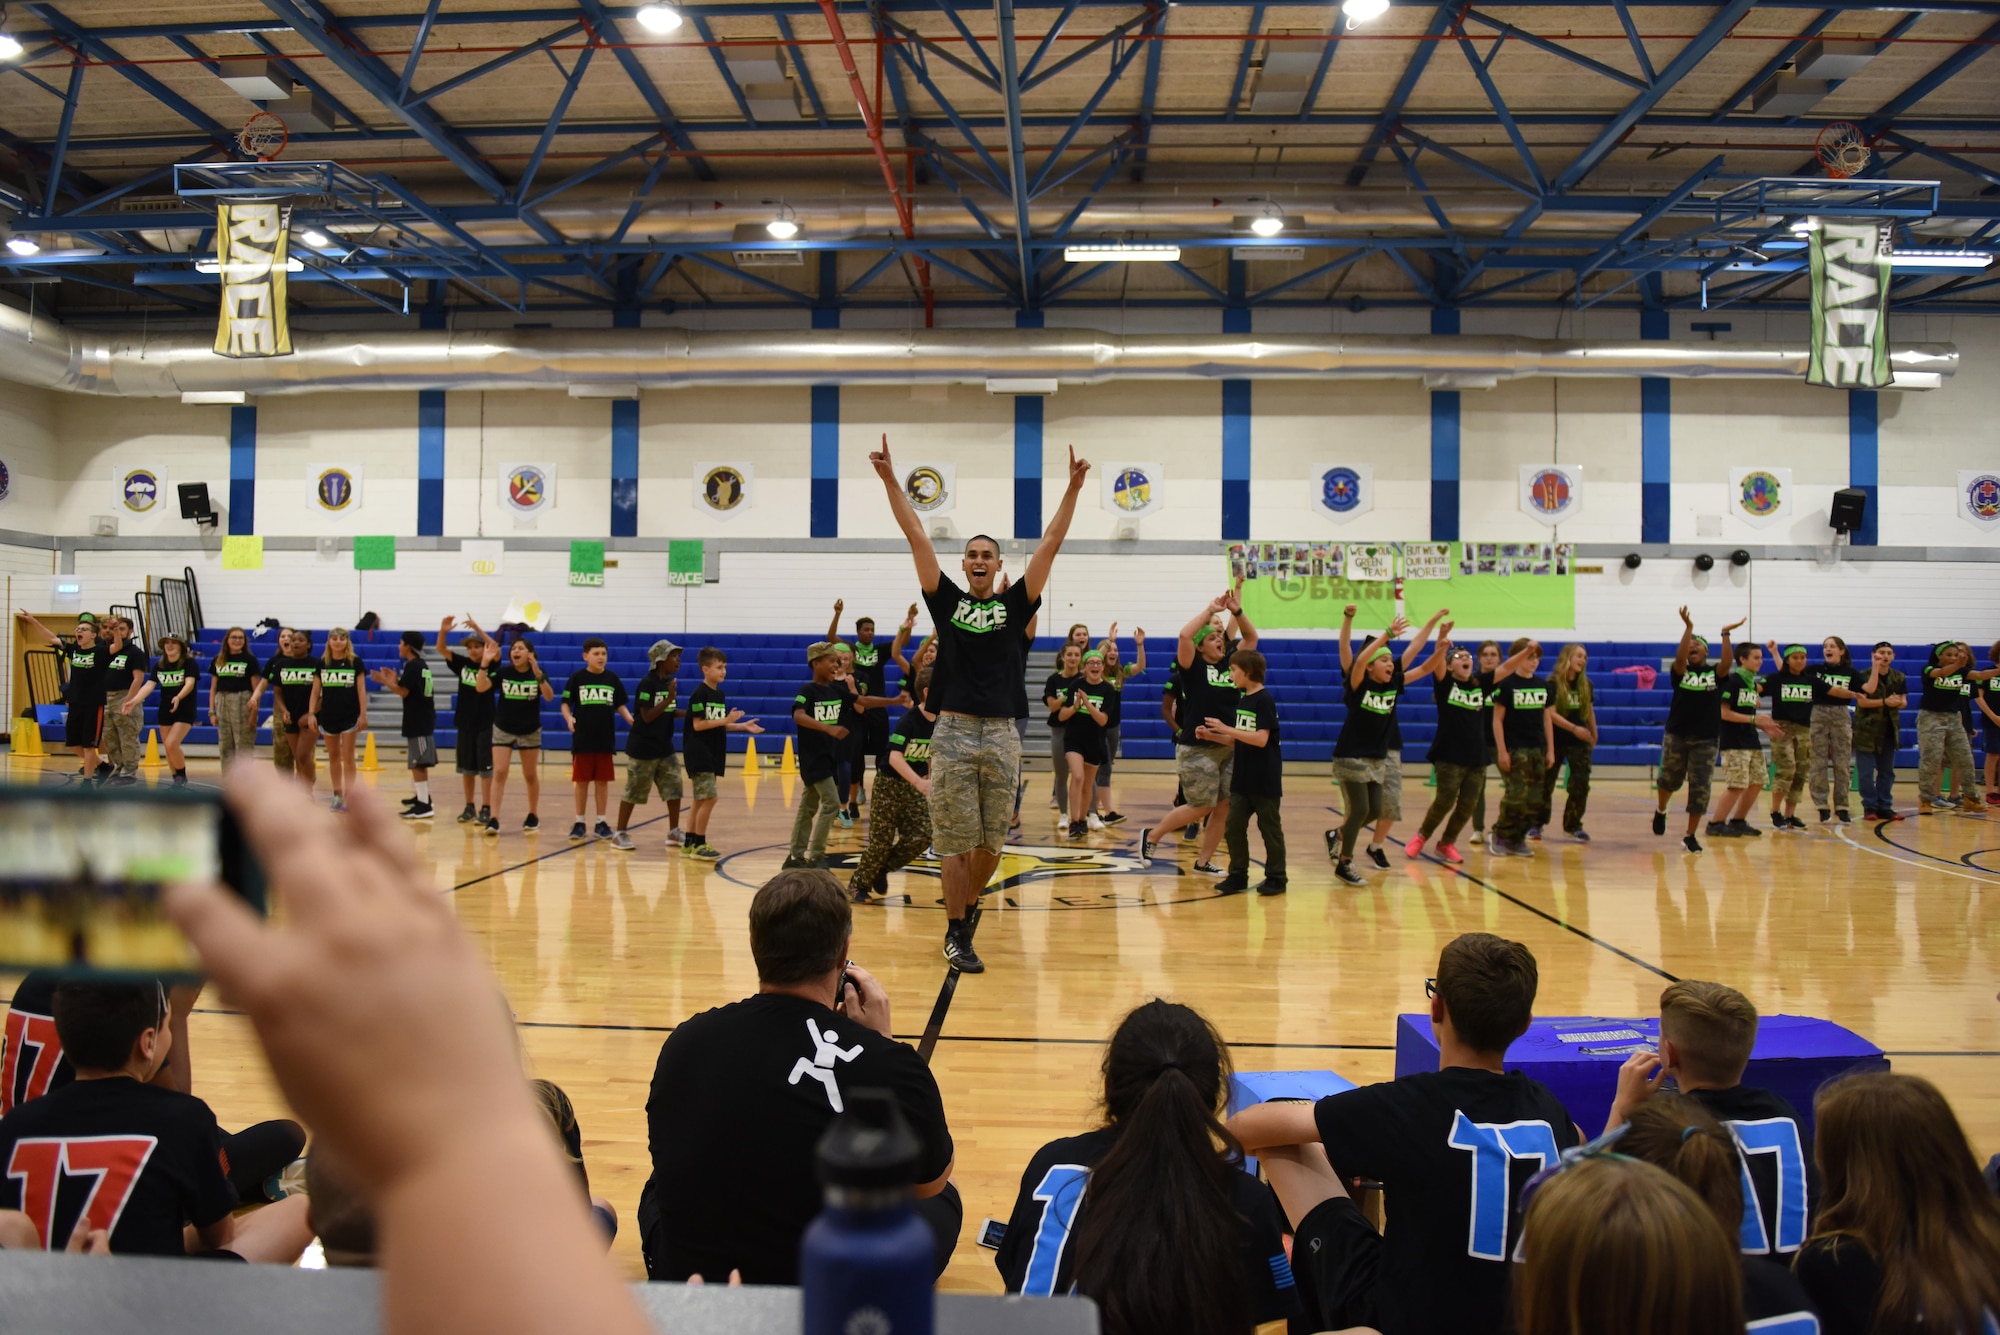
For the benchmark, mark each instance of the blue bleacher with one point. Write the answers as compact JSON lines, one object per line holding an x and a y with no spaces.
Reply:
{"x":765,"y":671}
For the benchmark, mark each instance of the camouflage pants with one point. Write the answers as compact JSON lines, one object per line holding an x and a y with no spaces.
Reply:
{"x":281,"y":745}
{"x":1523,"y":805}
{"x":1576,"y":752}
{"x":899,"y":829}
{"x":1941,"y":742}
{"x":1461,"y":795}
{"x":1832,"y":753}
{"x":236,"y":729}
{"x":121,"y":739}
{"x":1791,"y":761}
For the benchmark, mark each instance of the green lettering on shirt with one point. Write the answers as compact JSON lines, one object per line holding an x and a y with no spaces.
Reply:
{"x":866,"y":655}
{"x":596,"y":695}
{"x":231,"y":668}
{"x":917,"y":752}
{"x":1466,"y":697}
{"x":1531,"y":697}
{"x":1378,"y":702}
{"x":827,"y":712}
{"x":340,"y":677}
{"x":1795,"y":693}
{"x":1698,"y":679}
{"x":979,"y":617}
{"x":1246,"y":720}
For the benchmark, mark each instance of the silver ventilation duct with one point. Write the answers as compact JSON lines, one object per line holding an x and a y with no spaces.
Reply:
{"x":52,"y":356}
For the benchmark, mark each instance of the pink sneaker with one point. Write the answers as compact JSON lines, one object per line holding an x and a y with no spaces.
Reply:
{"x":1450,"y":853}
{"x":1415,"y":848}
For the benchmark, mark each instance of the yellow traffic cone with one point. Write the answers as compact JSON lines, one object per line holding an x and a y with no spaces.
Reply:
{"x":750,"y":762}
{"x":152,"y":760}
{"x":788,"y":763}
{"x":369,"y":763}
{"x":28,"y":740}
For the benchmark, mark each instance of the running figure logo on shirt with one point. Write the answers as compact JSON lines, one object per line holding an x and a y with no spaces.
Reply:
{"x":1760,"y":494}
{"x":979,"y":617}
{"x":826,"y":1052}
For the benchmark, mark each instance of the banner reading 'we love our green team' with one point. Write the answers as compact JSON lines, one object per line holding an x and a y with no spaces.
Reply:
{"x":1506,"y":585}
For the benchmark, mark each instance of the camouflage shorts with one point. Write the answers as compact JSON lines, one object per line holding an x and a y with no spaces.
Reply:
{"x":974,"y":763}
{"x":1690,"y":761}
{"x":1742,"y":769}
{"x":642,"y":776}
{"x":1204,"y":772}
{"x":703,"y":785}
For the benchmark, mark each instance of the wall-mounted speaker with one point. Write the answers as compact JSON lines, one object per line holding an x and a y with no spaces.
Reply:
{"x":1850,"y":510}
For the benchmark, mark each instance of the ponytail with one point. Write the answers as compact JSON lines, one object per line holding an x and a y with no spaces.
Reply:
{"x":1679,"y":1134}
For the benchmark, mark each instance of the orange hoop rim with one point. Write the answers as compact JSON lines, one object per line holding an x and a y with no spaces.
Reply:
{"x":255,"y":136}
{"x":1842,"y":150}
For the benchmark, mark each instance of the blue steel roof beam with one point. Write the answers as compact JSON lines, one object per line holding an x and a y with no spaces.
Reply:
{"x":311,"y":21}
{"x":602,"y":165}
{"x":1048,"y":38}
{"x":912,"y":62}
{"x":89,"y":45}
{"x":1443,"y":20}
{"x":914,"y":38}
{"x":1017,"y":149}
{"x":441,"y":220}
{"x":1149,"y":93}
{"x":875,"y":271}
{"x":1496,"y":251}
{"x":1119,"y":64}
{"x":417,"y":49}
{"x":1221,"y":297}
{"x":1115,"y":149}
{"x":1499,"y":105}
{"x":944,"y":164}
{"x":1243,"y":64}
{"x":1423,"y":284}
{"x":1638,"y":45}
{"x":639,"y":197}
{"x":662,"y":267}
{"x":965,"y":34}
{"x":1777,"y":62}
{"x":19,"y":64}
{"x":1684,"y":61}
{"x":1318,"y":271}
{"x":1062,"y":228}
{"x":1475,"y":298}
{"x":1557,"y":49}
{"x":1654,"y":212}
{"x":604,"y":28}
{"x":931,"y":256}
{"x":755,"y":280}
{"x":61,"y":149}
{"x":1471,"y":164}
{"x":1085,"y":272}
{"x":1319,"y":73}
{"x":1090,"y":48}
{"x":1939,"y":75}
{"x":899,"y":97}
{"x":715,"y":55}
{"x":801,"y":73}
{"x":556,"y":114}
{"x":457,"y":81}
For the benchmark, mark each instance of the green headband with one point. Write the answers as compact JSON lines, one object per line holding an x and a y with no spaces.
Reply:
{"x":1700,"y":640}
{"x":1380,"y":652}
{"x":1791,"y":649}
{"x":1204,"y":632}
{"x":1093,"y":654}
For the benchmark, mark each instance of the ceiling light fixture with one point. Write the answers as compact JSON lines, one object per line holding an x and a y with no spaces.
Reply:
{"x":1123,"y":253}
{"x":293,"y":264}
{"x":659,"y":18}
{"x":1804,"y":226}
{"x":785,"y":226}
{"x":24,"y":246}
{"x":1268,"y":223}
{"x":312,"y":236}
{"x":1359,"y":12}
{"x":1940,"y":259}
{"x":10,"y":46}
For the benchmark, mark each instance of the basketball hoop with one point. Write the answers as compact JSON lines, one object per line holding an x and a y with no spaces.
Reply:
{"x":1842,"y":150}
{"x":263,"y":136}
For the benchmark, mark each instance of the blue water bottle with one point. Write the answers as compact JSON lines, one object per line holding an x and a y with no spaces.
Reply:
{"x":866,"y":1263}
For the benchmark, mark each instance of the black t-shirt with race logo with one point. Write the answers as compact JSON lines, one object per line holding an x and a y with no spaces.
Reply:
{"x":1695,"y":712}
{"x":981,"y":657}
{"x":341,"y":682}
{"x":871,"y":669}
{"x":1526,"y":700}
{"x":655,"y":740}
{"x":234,"y":673}
{"x":518,"y":706}
{"x":419,"y":705}
{"x":1206,"y":691}
{"x":703,"y":750}
{"x":1778,"y":1208}
{"x":32,"y":1062}
{"x":1463,"y":712}
{"x":1827,"y":676}
{"x":1037,"y":1260}
{"x":594,"y":699}
{"x":1259,"y":771}
{"x":170,"y":678}
{"x":144,"y":1159}
{"x":1946,"y":693}
{"x":1452,"y":1150}
{"x":1371,"y":713}
{"x":120,"y":667}
{"x":1081,"y":730}
{"x":771,"y":1071}
{"x":293,"y":677}
{"x":1792,"y":696}
{"x":87,"y":670}
{"x":913,"y":738}
{"x":471,"y":708}
{"x":824,"y":703}
{"x":1062,"y":688}
{"x":1739,"y":692}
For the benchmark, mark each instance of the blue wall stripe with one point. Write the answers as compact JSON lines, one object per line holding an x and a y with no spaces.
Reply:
{"x":1656,"y":442}
{"x":430,"y":462}
{"x":243,"y":470}
{"x":1235,"y":459}
{"x":1864,"y":457}
{"x":826,"y":461}
{"x":1444,"y":464}
{"x":625,"y":468}
{"x":1028,"y":464}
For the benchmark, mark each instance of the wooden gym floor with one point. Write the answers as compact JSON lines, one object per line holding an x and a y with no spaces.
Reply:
{"x":601,"y":953}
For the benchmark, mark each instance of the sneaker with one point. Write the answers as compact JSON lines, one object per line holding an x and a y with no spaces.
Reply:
{"x":1062,"y":820}
{"x":603,"y":830}
{"x":1379,"y":856}
{"x":1778,"y":821}
{"x":846,"y":821}
{"x":1795,"y":823}
{"x":1507,"y":848}
{"x":1889,"y":814}
{"x":1344,"y":872}
{"x":492,"y":827}
{"x":1840,"y":814}
{"x":121,"y":781}
{"x":339,"y":803}
{"x":1825,"y":816}
{"x":1975,"y":806}
{"x":1231,"y":885}
{"x":677,"y":839}
{"x":1208,"y":869}
{"x":1659,"y":822}
{"x":532,"y":823}
{"x":1145,"y":848}
{"x":1415,"y":848}
{"x":577,"y":831}
{"x":1333,"y":845}
{"x":421,"y":811}
{"x":704,"y":852}
{"x":1478,"y":838}
{"x":1535,"y":833}
{"x":1743,"y":829}
{"x":858,"y":894}
{"x":485,"y":814}
{"x":959,"y":954}
{"x":1269,"y":887}
{"x":410,"y":801}
{"x":469,"y":815}
{"x":622,"y":841}
{"x":1055,"y":806}
{"x":1581,"y":836}
{"x":1450,"y":853}
{"x":1949,"y":802}
{"x":1093,"y":822}
{"x":1118,"y":817}
{"x":854,"y":811}
{"x":1924,"y":808}
{"x":1077,"y":829}
{"x":1691,"y":844}
{"x":793,"y":864}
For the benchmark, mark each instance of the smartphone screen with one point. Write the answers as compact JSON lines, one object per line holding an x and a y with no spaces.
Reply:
{"x":82,"y":871}
{"x":992,"y":1233}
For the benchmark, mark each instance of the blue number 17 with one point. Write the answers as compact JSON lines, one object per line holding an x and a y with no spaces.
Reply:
{"x":1494,"y":1147}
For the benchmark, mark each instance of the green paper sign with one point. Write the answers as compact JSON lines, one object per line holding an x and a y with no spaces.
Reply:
{"x":1514,"y":601}
{"x":375,"y":553}
{"x":586,"y":564}
{"x":685,"y":561}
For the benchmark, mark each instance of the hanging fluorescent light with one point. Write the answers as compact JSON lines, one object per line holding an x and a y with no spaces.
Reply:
{"x":312,"y":236}
{"x":1940,"y":259}
{"x":24,"y":246}
{"x":1122,"y":252}
{"x":785,"y":226}
{"x":658,"y":18}
{"x":211,"y":265}
{"x":1359,"y":12}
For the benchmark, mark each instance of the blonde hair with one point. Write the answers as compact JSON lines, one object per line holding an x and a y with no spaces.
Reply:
{"x":340,"y":632}
{"x":1569,"y":695}
{"x":1714,"y":1026}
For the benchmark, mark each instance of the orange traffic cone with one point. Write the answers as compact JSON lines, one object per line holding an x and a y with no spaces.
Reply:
{"x":152,"y":760}
{"x":28,"y":740}
{"x":788,"y":763}
{"x":369,"y":764}
{"x":750,"y":762}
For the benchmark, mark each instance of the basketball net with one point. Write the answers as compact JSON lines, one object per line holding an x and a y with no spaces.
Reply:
{"x":1842,"y":150}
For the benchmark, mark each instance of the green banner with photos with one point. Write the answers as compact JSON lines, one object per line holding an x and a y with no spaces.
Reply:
{"x":1497,"y":585}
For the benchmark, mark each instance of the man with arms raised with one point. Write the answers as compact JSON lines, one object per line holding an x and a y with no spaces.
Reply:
{"x":978,"y":691}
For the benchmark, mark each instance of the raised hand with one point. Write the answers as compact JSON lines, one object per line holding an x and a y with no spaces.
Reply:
{"x":1687,"y":620}
{"x":1235,"y":600}
{"x":1444,"y":632}
{"x":1398,"y":627}
{"x":1349,"y":612}
{"x":879,"y":460}
{"x":1112,"y":634}
{"x":1734,"y":624}
{"x":445,"y":625}
{"x":910,"y":618}
{"x":839,"y":605}
{"x":1138,"y":635}
{"x":1078,"y":468}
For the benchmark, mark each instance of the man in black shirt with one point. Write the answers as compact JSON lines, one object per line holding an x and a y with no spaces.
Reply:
{"x":112,"y":1152}
{"x":1694,"y":722}
{"x":1203,"y":690}
{"x":978,"y":691}
{"x":1791,"y":690}
{"x":83,"y":688}
{"x":742,"y":1094}
{"x":1256,"y":777}
{"x":650,"y":762}
{"x":1707,"y":1032}
{"x":472,"y":716}
{"x":1452,"y":1149}
{"x":124,"y":659}
{"x":871,"y":677}
{"x":1524,"y":745}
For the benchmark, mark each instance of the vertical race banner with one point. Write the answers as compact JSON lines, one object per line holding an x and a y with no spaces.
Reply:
{"x":250,"y":254}
{"x":1850,"y":307}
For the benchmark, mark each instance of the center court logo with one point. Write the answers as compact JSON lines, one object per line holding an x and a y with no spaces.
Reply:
{"x":1037,"y":866}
